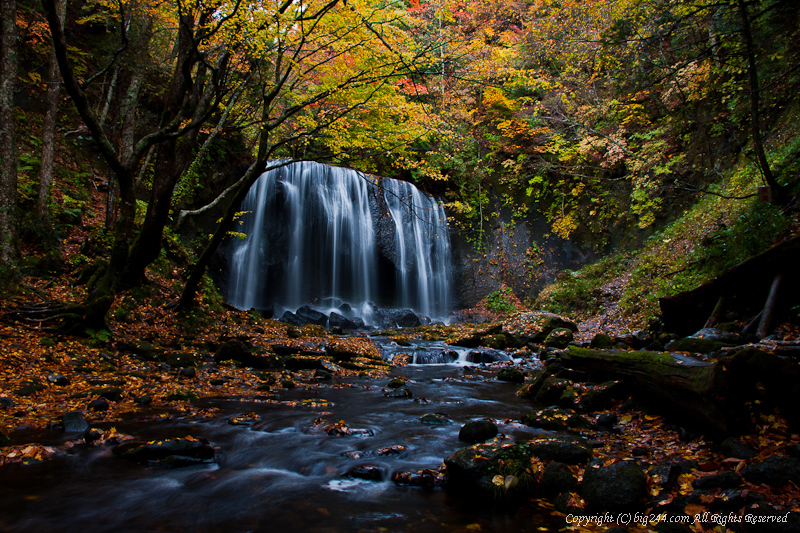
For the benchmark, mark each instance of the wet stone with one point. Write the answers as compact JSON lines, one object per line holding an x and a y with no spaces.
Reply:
{"x":400,"y":392}
{"x":435,"y":419}
{"x":368,"y":472}
{"x":100,"y":404}
{"x":618,"y":487}
{"x":74,"y":422}
{"x":58,"y":379}
{"x":476,"y":431}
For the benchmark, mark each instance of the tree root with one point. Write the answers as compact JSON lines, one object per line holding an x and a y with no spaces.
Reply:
{"x":57,"y":317}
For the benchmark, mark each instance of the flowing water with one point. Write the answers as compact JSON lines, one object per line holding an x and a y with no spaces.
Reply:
{"x":284,"y":473}
{"x":315,"y":232}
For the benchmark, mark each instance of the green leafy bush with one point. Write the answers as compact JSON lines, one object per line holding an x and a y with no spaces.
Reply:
{"x":501,"y":301}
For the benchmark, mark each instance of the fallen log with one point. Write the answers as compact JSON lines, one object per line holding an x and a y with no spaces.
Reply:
{"x":715,"y":398}
{"x":742,"y":290}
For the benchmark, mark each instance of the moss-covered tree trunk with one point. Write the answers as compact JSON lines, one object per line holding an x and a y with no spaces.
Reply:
{"x":710,"y":396}
{"x":8,"y":138}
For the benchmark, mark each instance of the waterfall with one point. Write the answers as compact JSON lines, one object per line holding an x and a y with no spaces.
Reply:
{"x":336,"y":238}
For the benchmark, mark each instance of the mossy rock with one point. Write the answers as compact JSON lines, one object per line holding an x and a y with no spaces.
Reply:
{"x":511,"y":375}
{"x":603,"y":396}
{"x":552,"y":389}
{"x":476,"y":431}
{"x":435,"y":419}
{"x":555,"y":418}
{"x":534,"y":327}
{"x":602,"y":341}
{"x":559,"y":338}
{"x":395,"y":382}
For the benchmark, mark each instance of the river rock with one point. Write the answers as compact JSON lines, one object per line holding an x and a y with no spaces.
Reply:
{"x":476,"y":470}
{"x":601,"y":341}
{"x":426,"y":478}
{"x":618,"y":487}
{"x":555,"y":418}
{"x":773,"y":471}
{"x":607,"y":420}
{"x":559,"y":338}
{"x":292,"y":319}
{"x":400,"y":392}
{"x":100,"y":404}
{"x":562,"y":448}
{"x":718,"y":335}
{"x":487,"y":356}
{"x":511,"y":374}
{"x":74,"y":422}
{"x":308,"y":315}
{"x":6,"y":402}
{"x":368,"y":472}
{"x":169,"y":452}
{"x":438,"y":419}
{"x":556,"y":479}
{"x":58,"y":379}
{"x":335,"y":320}
{"x":733,"y":447}
{"x":476,"y":431}
{"x":534,"y":327}
{"x":603,"y":396}
{"x":405,"y":318}
{"x":551,"y":390}
{"x":724,"y":480}
{"x":237,"y":350}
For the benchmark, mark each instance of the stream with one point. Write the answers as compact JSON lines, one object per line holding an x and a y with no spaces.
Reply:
{"x":284,"y":473}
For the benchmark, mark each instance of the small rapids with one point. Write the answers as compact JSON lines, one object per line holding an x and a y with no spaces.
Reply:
{"x":285,"y":472}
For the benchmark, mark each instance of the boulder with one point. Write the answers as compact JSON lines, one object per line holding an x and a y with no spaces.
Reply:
{"x":335,"y":320}
{"x":426,"y":478}
{"x":74,"y":422}
{"x":170,"y":452}
{"x":724,"y":480}
{"x":292,"y":319}
{"x":562,"y":448}
{"x":559,"y":338}
{"x":555,"y":418}
{"x":551,"y":390}
{"x":511,"y":375}
{"x":534,"y":327}
{"x":405,"y":318}
{"x":487,"y":356}
{"x":400,"y":392}
{"x":308,"y":315}
{"x":618,"y":487}
{"x":557,"y":478}
{"x":58,"y":379}
{"x":436,"y":419}
{"x":100,"y":404}
{"x":490,"y":470}
{"x":773,"y":471}
{"x":368,"y":472}
{"x":476,"y":431}
{"x":601,"y":341}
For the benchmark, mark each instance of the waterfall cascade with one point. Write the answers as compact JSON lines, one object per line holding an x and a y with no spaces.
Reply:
{"x":336,"y":238}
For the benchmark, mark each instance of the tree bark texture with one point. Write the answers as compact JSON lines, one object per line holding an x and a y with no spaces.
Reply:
{"x":8,"y":140}
{"x":710,"y":396}
{"x":49,"y":126}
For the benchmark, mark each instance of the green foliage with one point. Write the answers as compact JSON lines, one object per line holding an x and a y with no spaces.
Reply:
{"x":501,"y":301}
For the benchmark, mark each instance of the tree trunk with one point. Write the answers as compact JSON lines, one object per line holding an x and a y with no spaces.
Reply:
{"x":755,"y":106}
{"x":49,"y":127}
{"x":710,"y":396}
{"x":8,"y":141}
